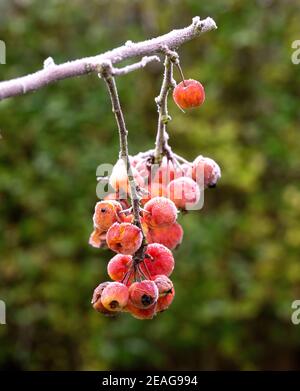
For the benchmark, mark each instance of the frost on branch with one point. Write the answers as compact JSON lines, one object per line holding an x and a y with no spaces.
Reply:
{"x":83,"y":66}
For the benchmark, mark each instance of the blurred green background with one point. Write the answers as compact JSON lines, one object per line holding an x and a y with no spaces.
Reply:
{"x":238,"y":269}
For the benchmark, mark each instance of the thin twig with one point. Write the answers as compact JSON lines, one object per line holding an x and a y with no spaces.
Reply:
{"x":168,"y":83}
{"x":133,"y":67}
{"x":147,"y":269}
{"x":124,"y":155}
{"x":183,"y":160}
{"x":53,"y":73}
{"x":176,"y":163}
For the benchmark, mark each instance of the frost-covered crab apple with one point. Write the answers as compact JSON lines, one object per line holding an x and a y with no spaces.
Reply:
{"x":189,"y":93}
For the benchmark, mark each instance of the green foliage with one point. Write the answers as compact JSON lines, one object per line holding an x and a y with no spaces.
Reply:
{"x":238,"y":268}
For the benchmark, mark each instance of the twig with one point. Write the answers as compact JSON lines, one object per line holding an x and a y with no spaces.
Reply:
{"x":168,"y":83}
{"x":133,"y":67}
{"x":180,"y":158}
{"x":106,"y":74}
{"x":53,"y":73}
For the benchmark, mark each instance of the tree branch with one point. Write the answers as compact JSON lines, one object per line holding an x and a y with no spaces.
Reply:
{"x":53,"y":73}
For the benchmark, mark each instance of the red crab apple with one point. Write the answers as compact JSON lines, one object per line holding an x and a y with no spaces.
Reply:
{"x":97,"y":238}
{"x":206,"y":171}
{"x":96,"y":300}
{"x":165,"y":301}
{"x":124,"y":238}
{"x":127,"y":218}
{"x":189,"y":93}
{"x":164,"y":284}
{"x":154,"y":190}
{"x":119,"y":178}
{"x":106,"y":213}
{"x":165,"y":173}
{"x":160,"y":211}
{"x":169,"y":235}
{"x":143,"y":294}
{"x":116,"y":196}
{"x":139,"y":313}
{"x":158,"y":174}
{"x":159,"y":260}
{"x":114,"y":296}
{"x":118,"y":266}
{"x":184,"y":192}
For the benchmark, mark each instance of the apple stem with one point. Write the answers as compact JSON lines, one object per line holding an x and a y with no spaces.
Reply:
{"x":181,"y":73}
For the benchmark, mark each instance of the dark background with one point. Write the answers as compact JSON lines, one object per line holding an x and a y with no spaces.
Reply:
{"x":238,"y":269}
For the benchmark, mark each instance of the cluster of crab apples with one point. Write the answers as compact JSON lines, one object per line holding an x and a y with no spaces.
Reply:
{"x":143,"y":287}
{"x":143,"y":263}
